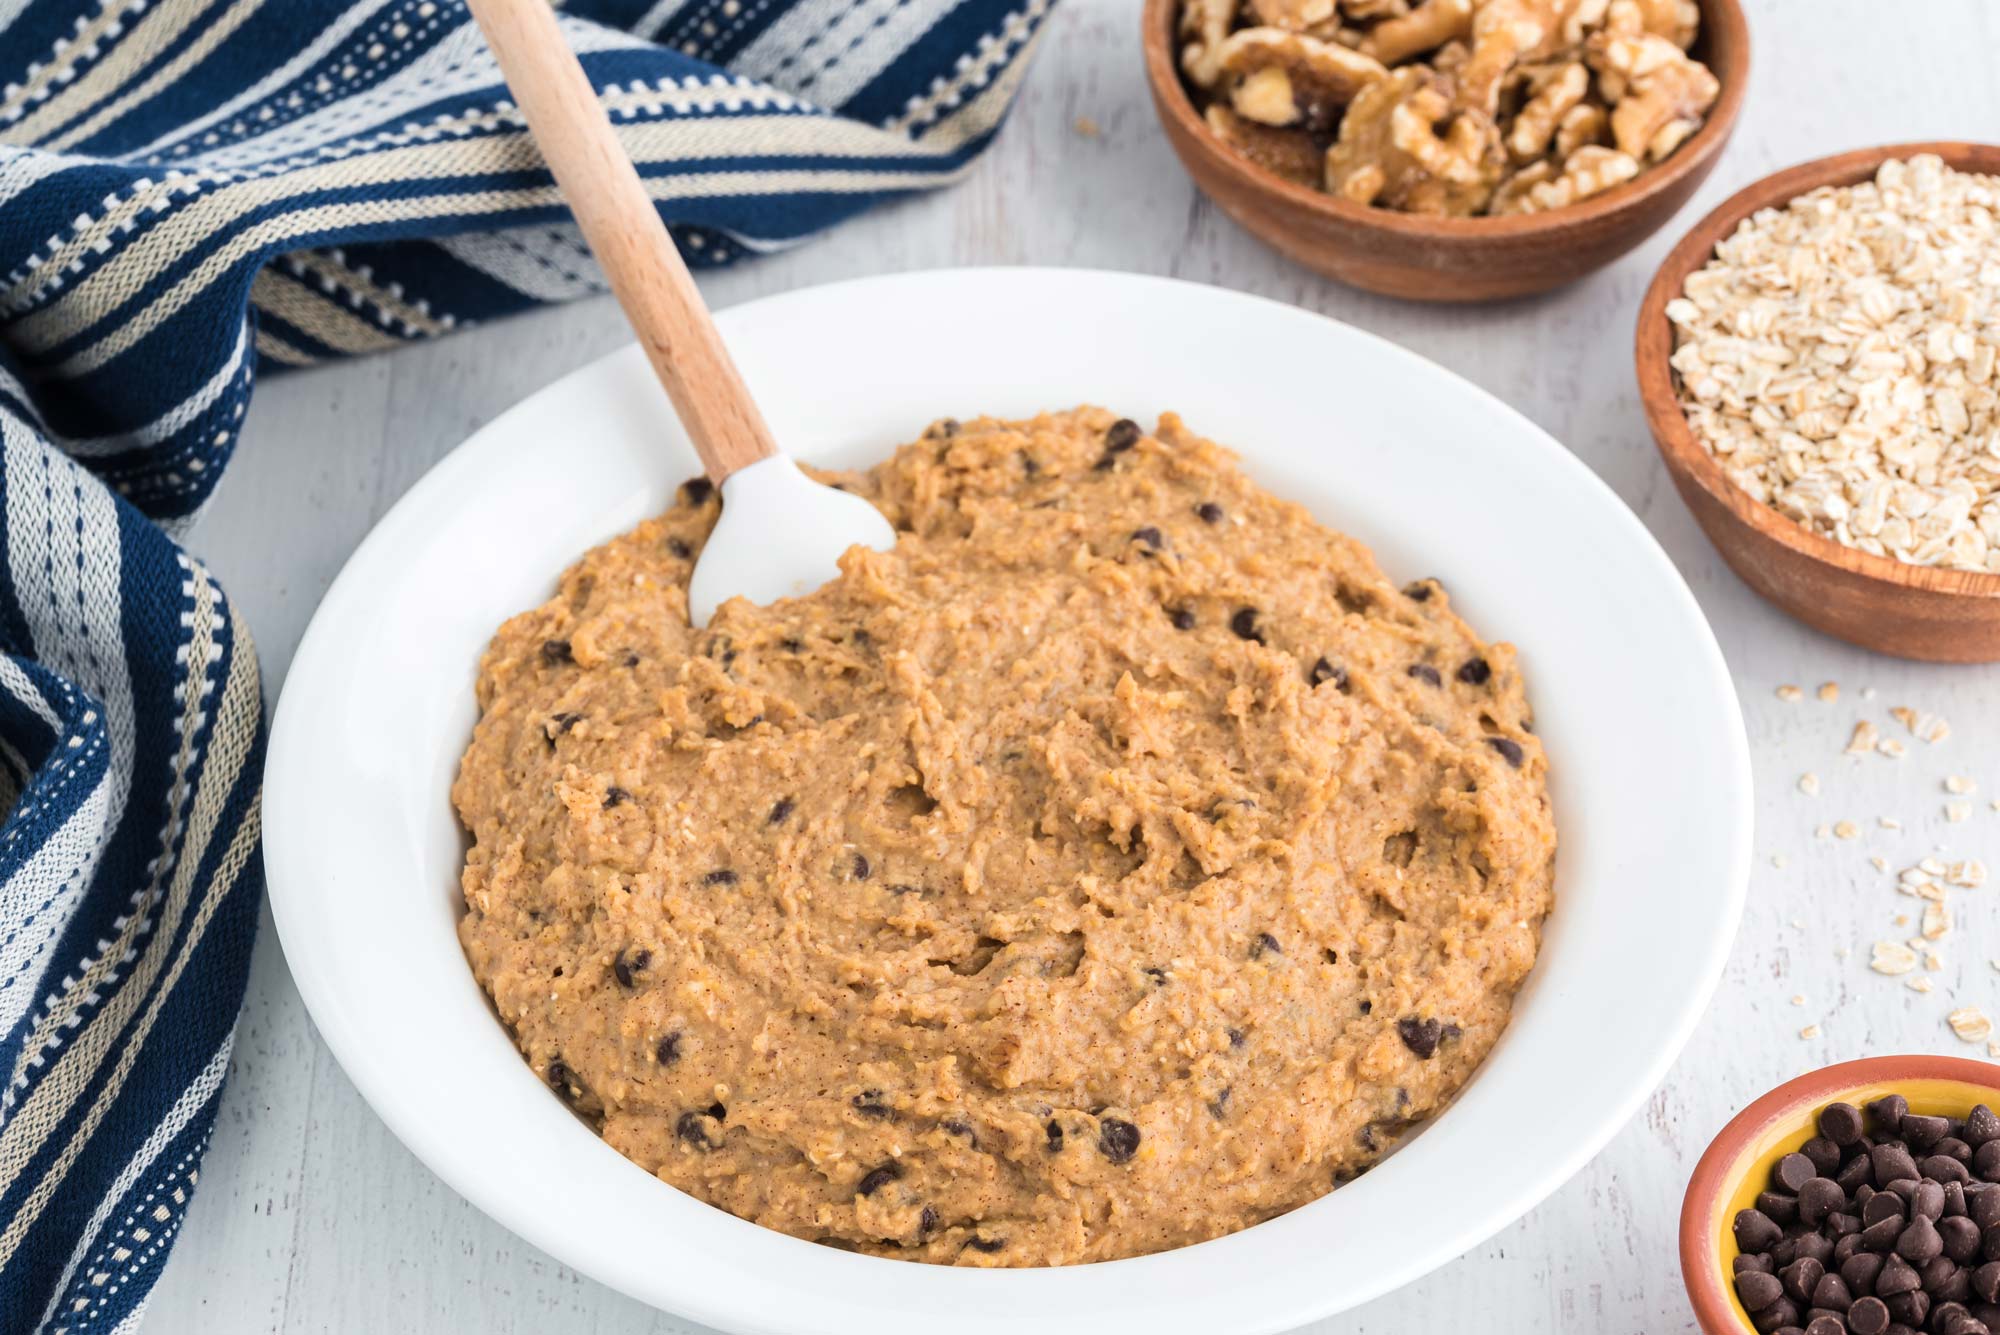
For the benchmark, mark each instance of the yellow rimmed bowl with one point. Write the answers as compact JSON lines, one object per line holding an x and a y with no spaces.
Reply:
{"x":1737,"y":1164}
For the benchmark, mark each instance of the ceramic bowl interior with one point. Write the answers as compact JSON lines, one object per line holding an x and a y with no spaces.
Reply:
{"x":1738,"y":1165}
{"x":1631,"y":695}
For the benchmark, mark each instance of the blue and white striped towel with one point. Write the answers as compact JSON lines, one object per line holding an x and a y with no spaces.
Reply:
{"x":191,"y":190}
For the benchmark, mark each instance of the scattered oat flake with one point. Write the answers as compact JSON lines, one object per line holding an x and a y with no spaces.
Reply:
{"x":1865,"y":736}
{"x":1789,"y":693}
{"x":1879,"y":863}
{"x":1086,"y":127}
{"x":1901,"y":920}
{"x":1937,"y":921}
{"x":1967,"y":875}
{"x":1829,"y":691}
{"x":1891,"y":748}
{"x":1919,"y":985}
{"x":1893,"y":957}
{"x":1889,"y":822}
{"x":1778,"y":860}
{"x":1959,"y":783}
{"x":1810,"y":1032}
{"x":1933,"y":961}
{"x":1799,"y":999}
{"x":1957,"y":811}
{"x":1809,"y":784}
{"x":1970,"y":1023}
{"x":1846,"y":829}
{"x":1929,"y":727}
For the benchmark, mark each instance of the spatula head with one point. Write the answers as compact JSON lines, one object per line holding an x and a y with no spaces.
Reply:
{"x":781,"y":534}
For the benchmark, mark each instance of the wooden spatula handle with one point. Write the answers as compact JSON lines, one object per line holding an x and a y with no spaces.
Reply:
{"x":631,"y":243}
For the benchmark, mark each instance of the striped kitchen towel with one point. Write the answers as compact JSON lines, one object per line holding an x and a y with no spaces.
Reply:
{"x":192,"y":190}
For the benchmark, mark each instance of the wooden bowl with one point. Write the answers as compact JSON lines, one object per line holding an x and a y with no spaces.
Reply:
{"x":1447,"y":259}
{"x":1737,"y":1164}
{"x":1877,"y":602}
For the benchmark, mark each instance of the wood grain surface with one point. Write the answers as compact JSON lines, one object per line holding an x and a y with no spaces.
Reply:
{"x":310,"y":1217}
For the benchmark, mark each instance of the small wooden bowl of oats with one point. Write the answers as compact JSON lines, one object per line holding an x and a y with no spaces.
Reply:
{"x":1859,"y":407}
{"x":1488,"y":232}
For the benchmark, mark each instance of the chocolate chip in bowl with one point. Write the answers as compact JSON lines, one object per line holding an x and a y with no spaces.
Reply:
{"x":1863,"y":1199}
{"x":1828,"y":422}
{"x":1457,"y":150}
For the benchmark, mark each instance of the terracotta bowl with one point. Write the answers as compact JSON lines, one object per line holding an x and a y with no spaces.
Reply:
{"x":1738,"y":1163}
{"x":1946,"y":616}
{"x":1447,"y":259}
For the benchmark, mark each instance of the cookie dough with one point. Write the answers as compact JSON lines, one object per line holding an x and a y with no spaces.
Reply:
{"x":1120,"y":861}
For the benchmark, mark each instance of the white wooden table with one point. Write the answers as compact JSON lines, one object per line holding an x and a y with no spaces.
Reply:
{"x":311,"y":1217}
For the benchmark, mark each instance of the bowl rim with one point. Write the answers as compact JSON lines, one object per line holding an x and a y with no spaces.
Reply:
{"x":1723,"y":19}
{"x":1654,"y":344}
{"x":1712,"y":1180}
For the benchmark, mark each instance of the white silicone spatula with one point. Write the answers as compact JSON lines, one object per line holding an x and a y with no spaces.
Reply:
{"x":780,"y":533}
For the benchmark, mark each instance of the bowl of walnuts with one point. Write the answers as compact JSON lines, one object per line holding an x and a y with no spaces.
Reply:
{"x":1448,"y":150}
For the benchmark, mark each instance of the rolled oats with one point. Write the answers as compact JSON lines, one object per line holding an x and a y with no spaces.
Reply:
{"x":1970,"y":1023}
{"x":1809,"y":784}
{"x":1838,"y":356}
{"x":1892,"y":957}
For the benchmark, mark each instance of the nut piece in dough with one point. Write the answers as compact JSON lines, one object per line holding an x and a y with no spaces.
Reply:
{"x":1659,"y":96}
{"x":1553,"y":93}
{"x":1285,"y":78}
{"x":1403,"y":145}
{"x":1590,"y":170}
{"x":1292,"y":154}
{"x":1425,"y":28}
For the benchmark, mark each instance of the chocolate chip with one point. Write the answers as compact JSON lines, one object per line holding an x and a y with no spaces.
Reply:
{"x":1840,"y":1123}
{"x":1944,"y":1168}
{"x":1927,"y":1199}
{"x":877,"y":1178}
{"x":1150,"y":536}
{"x":1831,"y":1292}
{"x":1897,"y":1276}
{"x":1244,"y":622}
{"x":1922,"y":1132}
{"x":1981,"y":1126}
{"x":720,"y":876}
{"x":1322,"y":672}
{"x":1986,"y":1161}
{"x":1824,"y":1154}
{"x":697,"y":490}
{"x":625,"y":966}
{"x":556,"y":652}
{"x":692,"y":1128}
{"x":1366,"y":1005}
{"x":862,"y":869}
{"x":1953,"y":1147}
{"x":1119,"y":1140}
{"x":1421,"y":1037}
{"x":1475,"y":672}
{"x":1824,"y":1324}
{"x":1420,"y":591}
{"x":1777,"y":1316}
{"x":869,"y":1104}
{"x":1919,"y":1242}
{"x":784,"y":808}
{"x":1886,"y":1113}
{"x":1986,"y":1282}
{"x":1801,"y":1276}
{"x":1264,"y":944}
{"x":1909,"y":1308}
{"x":563,"y":1081}
{"x":1782,"y":1209}
{"x":987,"y":1245}
{"x":1509,"y":749}
{"x":1210,"y":512}
{"x":1883,"y":1205}
{"x":1218,"y":1107}
{"x":1758,"y":1290}
{"x":1755,"y":1231}
{"x":1961,"y":1239}
{"x":1121,"y":436}
{"x":1860,"y":1270}
{"x":1892,"y":1163}
{"x":1424,"y":672}
{"x":1868,"y":1316}
{"x":1157,"y":974}
{"x":1792,"y":1172}
{"x":1182,"y":618}
{"x":614,"y":796}
{"x":679,"y":549}
{"x":1054,"y":1132}
{"x":563,"y":723}
{"x":668,"y":1051}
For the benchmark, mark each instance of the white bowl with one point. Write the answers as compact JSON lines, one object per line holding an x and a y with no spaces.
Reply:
{"x":1650,"y":771}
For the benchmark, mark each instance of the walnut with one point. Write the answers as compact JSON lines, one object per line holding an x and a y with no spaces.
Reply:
{"x":1292,"y":154}
{"x":1553,"y":94}
{"x":1403,"y":145}
{"x":1580,"y":125}
{"x":1506,"y":33}
{"x":1658,"y":95}
{"x":1513,"y":192}
{"x":1591,"y":170}
{"x":1371,"y":10}
{"x":1204,"y":24}
{"x":1291,"y":15}
{"x":1425,"y":28}
{"x":1676,"y":20}
{"x":1286,"y":78}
